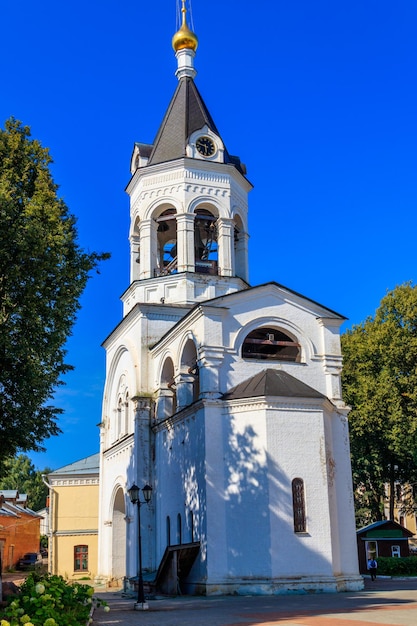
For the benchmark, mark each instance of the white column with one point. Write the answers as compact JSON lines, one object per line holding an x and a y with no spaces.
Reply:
{"x":225,"y":242}
{"x":332,"y":357}
{"x":185,"y":242}
{"x":185,"y":390}
{"x":241,"y":266}
{"x":142,"y":474}
{"x":147,"y":248}
{"x":164,"y":406}
{"x":210,"y":362}
{"x":134,"y":258}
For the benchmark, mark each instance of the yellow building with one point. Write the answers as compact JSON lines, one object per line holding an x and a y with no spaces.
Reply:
{"x":73,"y":519}
{"x":405,"y":512}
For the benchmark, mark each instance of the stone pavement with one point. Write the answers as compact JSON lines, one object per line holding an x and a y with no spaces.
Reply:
{"x":385,"y":601}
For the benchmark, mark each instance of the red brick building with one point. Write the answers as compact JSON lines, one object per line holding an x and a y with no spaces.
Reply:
{"x":19,"y":528}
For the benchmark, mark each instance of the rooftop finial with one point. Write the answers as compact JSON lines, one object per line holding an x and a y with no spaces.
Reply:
{"x":184,"y":38}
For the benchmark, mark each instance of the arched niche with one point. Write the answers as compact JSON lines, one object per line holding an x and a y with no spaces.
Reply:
{"x":167,"y":396}
{"x":188,"y":380}
{"x":121,"y":412}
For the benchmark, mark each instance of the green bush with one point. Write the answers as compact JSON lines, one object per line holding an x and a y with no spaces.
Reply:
{"x":390,"y":566}
{"x":49,"y":600}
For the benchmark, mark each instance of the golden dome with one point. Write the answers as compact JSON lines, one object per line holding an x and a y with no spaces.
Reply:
{"x":184,"y":37}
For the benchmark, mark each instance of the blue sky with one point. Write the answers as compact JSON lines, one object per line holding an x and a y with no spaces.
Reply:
{"x":318,"y":99}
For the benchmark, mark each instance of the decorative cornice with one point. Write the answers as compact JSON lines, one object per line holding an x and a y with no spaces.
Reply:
{"x":142,"y":403}
{"x":75,"y":533}
{"x":277,"y":403}
{"x":72,"y":482}
{"x":119,"y":448}
{"x":185,"y":415}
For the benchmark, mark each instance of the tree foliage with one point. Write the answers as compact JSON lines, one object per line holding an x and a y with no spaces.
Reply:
{"x":20,"y":473}
{"x":43,"y":272}
{"x":379,"y":382}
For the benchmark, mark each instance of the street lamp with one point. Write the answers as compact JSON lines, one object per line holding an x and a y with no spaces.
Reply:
{"x":133,"y":492}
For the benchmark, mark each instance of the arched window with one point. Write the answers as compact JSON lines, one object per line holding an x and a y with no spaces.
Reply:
{"x":126,"y":414}
{"x":298,"y":504}
{"x":271,"y":344}
{"x":119,"y":418}
{"x":168,"y":531}
{"x":205,"y":242}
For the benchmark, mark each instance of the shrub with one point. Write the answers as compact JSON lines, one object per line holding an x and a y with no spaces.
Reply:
{"x":49,"y":600}
{"x":391,"y":566}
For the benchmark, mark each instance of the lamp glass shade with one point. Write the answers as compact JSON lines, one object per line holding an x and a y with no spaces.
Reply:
{"x":133,"y":493}
{"x":147,"y":493}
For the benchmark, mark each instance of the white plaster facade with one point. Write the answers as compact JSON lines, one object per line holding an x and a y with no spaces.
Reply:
{"x":219,"y":430}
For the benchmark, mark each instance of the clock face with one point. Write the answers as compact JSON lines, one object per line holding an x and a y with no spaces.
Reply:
{"x":205,"y":146}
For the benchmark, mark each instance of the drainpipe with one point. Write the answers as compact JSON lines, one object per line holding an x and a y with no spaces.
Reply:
{"x":50,"y":519}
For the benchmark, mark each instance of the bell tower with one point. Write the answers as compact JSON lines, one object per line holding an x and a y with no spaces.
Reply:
{"x":188,"y":201}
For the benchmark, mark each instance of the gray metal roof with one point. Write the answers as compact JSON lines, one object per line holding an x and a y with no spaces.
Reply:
{"x":9,"y":493}
{"x":272,"y":382}
{"x":89,"y":465}
{"x":186,"y":114}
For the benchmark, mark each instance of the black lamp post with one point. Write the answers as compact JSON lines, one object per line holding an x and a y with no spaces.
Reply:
{"x":134,"y":498}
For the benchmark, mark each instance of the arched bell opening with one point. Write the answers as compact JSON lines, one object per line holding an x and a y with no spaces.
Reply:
{"x":205,"y":242}
{"x":167,"y":260}
{"x":240,"y":248}
{"x":271,"y":344}
{"x":135,"y":250}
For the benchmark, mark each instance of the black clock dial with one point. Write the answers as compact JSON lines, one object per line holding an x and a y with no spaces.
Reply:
{"x":205,"y":146}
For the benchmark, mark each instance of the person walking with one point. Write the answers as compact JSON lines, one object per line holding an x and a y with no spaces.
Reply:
{"x":372,"y":565}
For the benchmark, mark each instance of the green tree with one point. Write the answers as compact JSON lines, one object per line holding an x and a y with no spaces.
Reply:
{"x":43,"y":272}
{"x":20,"y":473}
{"x":379,"y":382}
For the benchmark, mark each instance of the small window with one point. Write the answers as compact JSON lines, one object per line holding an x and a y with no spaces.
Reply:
{"x":80,"y":558}
{"x":396,"y":552}
{"x":179,"y":529}
{"x":168,"y":531}
{"x":191,"y":522}
{"x":270,"y":344}
{"x":298,"y":504}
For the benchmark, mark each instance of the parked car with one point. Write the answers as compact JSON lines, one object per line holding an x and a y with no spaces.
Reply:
{"x":30,"y":560}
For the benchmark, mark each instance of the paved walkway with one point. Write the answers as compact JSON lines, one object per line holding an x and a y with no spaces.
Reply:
{"x":385,"y":601}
